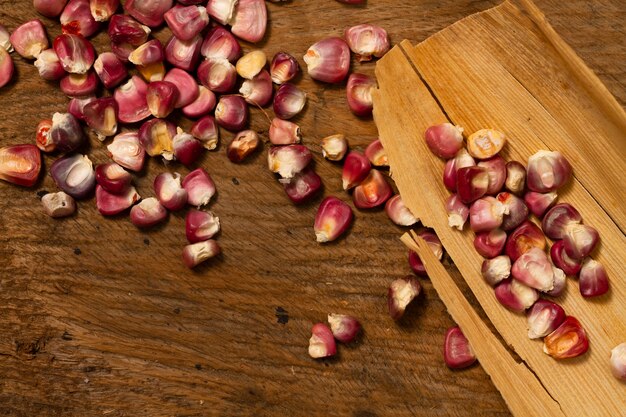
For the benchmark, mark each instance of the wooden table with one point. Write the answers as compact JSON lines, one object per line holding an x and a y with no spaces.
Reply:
{"x":98,"y":318}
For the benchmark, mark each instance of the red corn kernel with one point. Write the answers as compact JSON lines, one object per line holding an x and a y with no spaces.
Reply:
{"x":250,"y":20}
{"x":618,"y":361}
{"x":458,"y":212}
{"x":76,"y":106}
{"x":231,"y":113}
{"x":534,"y":269}
{"x":49,"y":8}
{"x":183,"y":54}
{"x":288,"y":101}
{"x":485,"y":143}
{"x":560,"y":282}
{"x":593,"y":280}
{"x":201,"y":225}
{"x":156,"y":136}
{"x":284,"y":132}
{"x":561,"y":260}
{"x":188,"y":90}
{"x":218,"y":75}
{"x":199,"y":186}
{"x":220,"y":44}
{"x":242,"y":145}
{"x":377,"y":154}
{"x":222,"y":10}
{"x":496,"y":168}
{"x":149,"y":212}
{"x":57,"y":205}
{"x":111,"y":204}
{"x":359,"y":94}
{"x":321,"y":344}
{"x":303,"y":186}
{"x":543,"y":318}
{"x":332,"y":220}
{"x":202,"y":105}
{"x":490,"y":244}
{"x":345,"y":328}
{"x":558,"y":219}
{"x":101,"y":116}
{"x":461,"y":160}
{"x":7,"y":68}
{"x":113,"y":178}
{"x":487,"y":214}
{"x":77,"y":19}
{"x":102,"y":10}
{"x":517,"y":210}
{"x":131,"y":100}
{"x":580,"y":240}
{"x":148,"y":12}
{"x":122,"y":50}
{"x":161,"y":97}
{"x":398,"y":212}
{"x":74,"y":175}
{"x":527,"y":235}
{"x":259,"y":90}
{"x":355,"y":169}
{"x":515,"y":296}
{"x":288,"y":160}
{"x":434,"y":244}
{"x":538,"y":203}
{"x":206,"y":131}
{"x":48,"y":65}
{"x":328,"y":60}
{"x":43,"y":139}
{"x":457,"y":352}
{"x":401,"y":293}
{"x":187,"y":149}
{"x":515,"y":177}
{"x":472,"y":183}
{"x":249,"y":65}
{"x":367,"y":41}
{"x":496,"y":270}
{"x":196,"y":253}
{"x":567,"y":341}
{"x":148,"y":53}
{"x":127,"y":151}
{"x":372,"y":192}
{"x":186,"y":22}
{"x":169,"y":191}
{"x":64,"y":135}
{"x":334,"y":147}
{"x":444,"y":140}
{"x":110,"y":69}
{"x":20,"y":164}
{"x":547,"y":171}
{"x":123,"y":29}
{"x":283,"y":68}
{"x":79,"y":85}
{"x":30,"y":39}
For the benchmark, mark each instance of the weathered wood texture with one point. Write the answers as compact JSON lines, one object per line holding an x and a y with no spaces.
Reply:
{"x":97,"y":318}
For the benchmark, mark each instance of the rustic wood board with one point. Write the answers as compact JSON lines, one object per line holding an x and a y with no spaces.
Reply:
{"x":499,"y":69}
{"x":124,"y":329}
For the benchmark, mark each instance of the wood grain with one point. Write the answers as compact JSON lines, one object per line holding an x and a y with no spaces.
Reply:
{"x":97,"y":318}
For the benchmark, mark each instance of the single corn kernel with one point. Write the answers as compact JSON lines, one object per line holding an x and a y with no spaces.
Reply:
{"x":152,"y":72}
{"x":169,"y":191}
{"x":149,"y":212}
{"x":322,"y":343}
{"x":457,"y":352}
{"x":222,"y":10}
{"x":288,"y":101}
{"x":43,"y":140}
{"x":250,"y":20}
{"x":561,"y":260}
{"x":199,"y":186}
{"x":156,"y":136}
{"x":7,"y":68}
{"x":148,"y":12}
{"x":618,"y":361}
{"x":593,"y":280}
{"x":110,"y":69}
{"x":231,"y":113}
{"x":252,"y":63}
{"x":77,"y":19}
{"x":367,"y":41}
{"x":57,"y":205}
{"x":485,"y":143}
{"x":197,"y":253}
{"x":259,"y":90}
{"x":187,"y":149}
{"x":458,"y":212}
{"x":74,"y":175}
{"x":580,"y":240}
{"x":534,"y":269}
{"x":527,"y":236}
{"x":219,"y":43}
{"x":490,"y":244}
{"x":345,"y":328}
{"x":543,"y":318}
{"x":377,"y":154}
{"x":102,"y":10}
{"x":355,"y":169}
{"x":48,"y":65}
{"x":560,"y":282}
{"x":333,"y":219}
{"x":127,"y":151}
{"x":496,"y":168}
{"x":65,"y":134}
{"x":517,"y":210}
{"x":398,"y":212}
{"x":515,"y":296}
{"x":444,"y":140}
{"x":401,"y":293}
{"x":558,"y":219}
{"x":201,"y":225}
{"x":372,"y":192}
{"x":5,"y":39}
{"x":111,"y":204}
{"x":515,"y":177}
{"x":188,"y":89}
{"x":334,"y":147}
{"x":183,"y":54}
{"x":472,"y":183}
{"x":547,"y":171}
{"x":283,"y":68}
{"x":123,"y":51}
{"x":49,"y":8}
{"x":201,"y":106}
{"x":218,"y":75}
{"x":303,"y":186}
{"x":151,"y":52}
{"x":123,"y":29}
{"x":496,"y":270}
{"x":328,"y":60}
{"x":359,"y":94}
{"x":76,"y":106}
{"x":243,"y":144}
{"x":79,"y":85}
{"x":288,"y":160}
{"x":30,"y":39}
{"x":416,"y":264}
{"x":20,"y":164}
{"x":206,"y":131}
{"x":486,"y":214}
{"x":461,"y":160}
{"x":101,"y":116}
{"x":186,"y":22}
{"x":113,"y":178}
{"x":569,"y":340}
{"x":131,"y":101}
{"x":284,"y":132}
{"x":161,"y":97}
{"x":539,"y":203}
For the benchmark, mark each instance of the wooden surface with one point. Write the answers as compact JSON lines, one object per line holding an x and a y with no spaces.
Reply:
{"x":97,"y":318}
